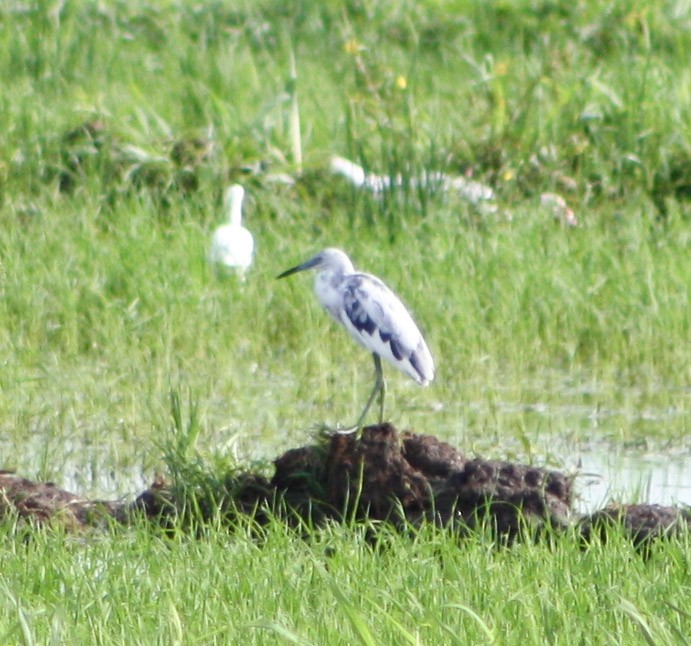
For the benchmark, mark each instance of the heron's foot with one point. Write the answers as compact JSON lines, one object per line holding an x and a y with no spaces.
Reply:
{"x":349,"y":430}
{"x":325,"y":429}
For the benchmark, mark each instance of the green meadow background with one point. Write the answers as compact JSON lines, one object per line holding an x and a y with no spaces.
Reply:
{"x":121,"y":125}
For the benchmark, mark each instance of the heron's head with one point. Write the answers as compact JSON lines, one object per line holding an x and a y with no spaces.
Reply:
{"x":329,"y":260}
{"x":351,"y":170}
{"x":235,"y":194}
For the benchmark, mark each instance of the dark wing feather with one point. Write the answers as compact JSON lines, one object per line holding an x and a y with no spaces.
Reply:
{"x":396,"y":349}
{"x":356,"y":312}
{"x":382,"y":322}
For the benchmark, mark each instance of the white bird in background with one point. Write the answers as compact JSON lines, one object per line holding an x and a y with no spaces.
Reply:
{"x":232,"y":245}
{"x":374,"y":317}
{"x":474,"y":192}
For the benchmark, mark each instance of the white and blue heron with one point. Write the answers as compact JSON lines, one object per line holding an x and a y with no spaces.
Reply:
{"x":374,"y":316}
{"x":232,"y":246}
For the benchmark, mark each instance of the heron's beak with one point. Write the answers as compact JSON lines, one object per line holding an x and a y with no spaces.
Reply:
{"x":312,"y":262}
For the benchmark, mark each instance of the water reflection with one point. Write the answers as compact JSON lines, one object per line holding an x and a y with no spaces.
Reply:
{"x":629,"y":477}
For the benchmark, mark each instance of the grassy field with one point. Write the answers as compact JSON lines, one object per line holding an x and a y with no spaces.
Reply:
{"x":336,"y":589}
{"x":122,"y":123}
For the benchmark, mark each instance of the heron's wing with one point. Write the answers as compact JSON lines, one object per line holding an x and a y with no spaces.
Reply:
{"x":376,"y":316}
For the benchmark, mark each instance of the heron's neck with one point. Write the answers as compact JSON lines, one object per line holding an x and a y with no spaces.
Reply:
{"x":326,"y":287}
{"x":236,"y":214}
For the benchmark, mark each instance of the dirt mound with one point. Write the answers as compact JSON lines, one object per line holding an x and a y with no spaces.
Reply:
{"x":403,"y":479}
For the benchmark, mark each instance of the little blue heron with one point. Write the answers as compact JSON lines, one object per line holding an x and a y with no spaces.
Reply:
{"x":374,"y":316}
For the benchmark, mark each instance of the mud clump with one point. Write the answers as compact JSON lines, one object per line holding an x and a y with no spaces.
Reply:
{"x":404,"y":480}
{"x":43,"y":503}
{"x":371,"y":479}
{"x":512,"y":497}
{"x":642,"y":524}
{"x":418,"y":478}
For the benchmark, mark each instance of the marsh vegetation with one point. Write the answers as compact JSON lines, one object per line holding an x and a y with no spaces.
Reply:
{"x":121,"y":126}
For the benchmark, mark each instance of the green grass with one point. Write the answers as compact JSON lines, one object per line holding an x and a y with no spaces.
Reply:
{"x":139,"y":588}
{"x":548,"y":340}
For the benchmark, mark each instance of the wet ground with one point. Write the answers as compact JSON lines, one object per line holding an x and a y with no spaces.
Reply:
{"x":403,"y":479}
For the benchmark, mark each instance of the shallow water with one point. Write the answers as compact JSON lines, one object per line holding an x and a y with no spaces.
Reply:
{"x":619,"y":445}
{"x":606,"y":476}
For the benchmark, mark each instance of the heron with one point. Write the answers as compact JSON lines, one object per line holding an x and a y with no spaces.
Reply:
{"x":374,"y":316}
{"x":232,"y":245}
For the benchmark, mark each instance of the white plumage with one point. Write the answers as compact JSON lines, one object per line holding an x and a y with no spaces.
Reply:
{"x":374,"y":317}
{"x":232,"y":245}
{"x":474,"y":192}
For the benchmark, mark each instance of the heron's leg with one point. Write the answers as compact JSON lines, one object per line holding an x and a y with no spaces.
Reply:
{"x":379,"y":387}
{"x":382,"y":385}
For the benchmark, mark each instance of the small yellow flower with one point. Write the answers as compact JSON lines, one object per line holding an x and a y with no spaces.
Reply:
{"x":636,"y":18}
{"x":401,"y":82}
{"x":501,"y":68}
{"x":353,"y":46}
{"x":508,"y":175}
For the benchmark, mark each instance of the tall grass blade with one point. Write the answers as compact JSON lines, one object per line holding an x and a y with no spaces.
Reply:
{"x":634,"y":614}
{"x":489,"y":633}
{"x":27,"y":635}
{"x":284,"y":633}
{"x":175,"y":621}
{"x":295,"y":135}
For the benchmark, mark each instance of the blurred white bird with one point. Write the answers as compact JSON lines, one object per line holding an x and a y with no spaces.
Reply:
{"x":474,"y":192}
{"x":232,"y":246}
{"x":373,"y":316}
